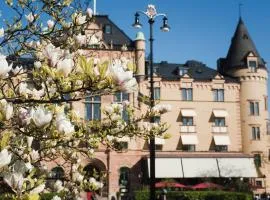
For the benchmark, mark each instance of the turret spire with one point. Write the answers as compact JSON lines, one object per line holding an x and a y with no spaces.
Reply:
{"x":241,"y":46}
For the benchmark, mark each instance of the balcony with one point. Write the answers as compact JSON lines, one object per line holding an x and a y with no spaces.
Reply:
{"x":188,"y":129}
{"x":219,"y":129}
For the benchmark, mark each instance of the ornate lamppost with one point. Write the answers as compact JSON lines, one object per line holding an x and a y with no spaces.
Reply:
{"x":151,"y":15}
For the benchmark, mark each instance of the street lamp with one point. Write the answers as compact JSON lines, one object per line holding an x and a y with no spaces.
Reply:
{"x":152,"y":14}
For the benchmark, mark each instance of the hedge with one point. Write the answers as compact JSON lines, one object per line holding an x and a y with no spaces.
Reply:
{"x":45,"y":196}
{"x":197,"y":195}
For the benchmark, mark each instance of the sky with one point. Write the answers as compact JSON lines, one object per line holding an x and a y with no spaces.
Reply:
{"x":200,"y":29}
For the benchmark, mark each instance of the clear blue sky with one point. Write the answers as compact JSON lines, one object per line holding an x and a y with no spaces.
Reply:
{"x":201,"y":29}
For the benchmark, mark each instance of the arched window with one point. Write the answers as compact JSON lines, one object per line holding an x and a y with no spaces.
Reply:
{"x":57,"y":173}
{"x":124,"y":176}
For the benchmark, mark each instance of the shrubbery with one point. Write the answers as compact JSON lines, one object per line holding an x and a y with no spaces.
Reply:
{"x":197,"y":195}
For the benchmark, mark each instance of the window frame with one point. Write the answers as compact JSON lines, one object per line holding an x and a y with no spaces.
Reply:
{"x":156,"y":93}
{"x":189,"y":147}
{"x":105,"y":29}
{"x":219,"y":122}
{"x":255,"y":133}
{"x":187,"y":121}
{"x":92,"y":102}
{"x":187,"y":94}
{"x":218,"y":95}
{"x":254,"y":108}
{"x":258,"y":160}
{"x":252,"y":67}
{"x":221,"y":148}
{"x":119,"y":100}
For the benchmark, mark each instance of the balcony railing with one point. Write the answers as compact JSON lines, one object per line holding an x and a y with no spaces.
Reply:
{"x":219,"y":129}
{"x":188,"y":129}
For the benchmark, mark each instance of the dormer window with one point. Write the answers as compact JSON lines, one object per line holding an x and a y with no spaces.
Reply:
{"x":182,"y":71}
{"x":252,"y":64}
{"x":108,"y":29}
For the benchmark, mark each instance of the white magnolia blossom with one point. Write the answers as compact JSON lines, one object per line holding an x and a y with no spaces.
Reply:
{"x":5,"y":158}
{"x":25,"y":117}
{"x":7,"y":109}
{"x":14,"y":180}
{"x":52,"y":53}
{"x":37,"y":94}
{"x":162,"y":108}
{"x":34,"y":155}
{"x":56,"y":198}
{"x":65,"y":66}
{"x":29,"y":166}
{"x":17,"y":70}
{"x":58,"y":186}
{"x":41,"y":116}
{"x":29,"y":141}
{"x":63,"y":125}
{"x":96,"y":184}
{"x":30,"y":17}
{"x":80,"y":19}
{"x":23,"y":89}
{"x":124,"y":79}
{"x":77,"y":177}
{"x":50,"y":23}
{"x":80,"y":39}
{"x":38,"y":189}
{"x":5,"y":68}
{"x":108,"y":109}
{"x":110,"y":137}
{"x":37,"y":64}
{"x":2,"y":32}
{"x":129,"y":86}
{"x":89,"y":12}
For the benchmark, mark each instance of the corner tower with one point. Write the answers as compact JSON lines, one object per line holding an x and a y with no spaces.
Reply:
{"x":244,"y":63}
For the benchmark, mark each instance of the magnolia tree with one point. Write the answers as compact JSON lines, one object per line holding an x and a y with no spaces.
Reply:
{"x":42,"y":71}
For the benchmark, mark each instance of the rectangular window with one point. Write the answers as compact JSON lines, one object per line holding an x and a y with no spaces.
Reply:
{"x":254,"y":108}
{"x":92,"y":106}
{"x":189,"y":147}
{"x":221,"y":148}
{"x":220,"y":121}
{"x":258,"y":184}
{"x":268,"y":127}
{"x":257,"y":160}
{"x":156,"y":93}
{"x":187,"y":121}
{"x":269,"y":154}
{"x":256,"y":133}
{"x":187,"y":94}
{"x":218,"y":94}
{"x":252,"y":64}
{"x":266,"y":102}
{"x":107,"y":29}
{"x":182,"y":71}
{"x":119,"y":97}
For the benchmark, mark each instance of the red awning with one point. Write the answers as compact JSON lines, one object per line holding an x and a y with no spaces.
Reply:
{"x":207,"y":185}
{"x":169,"y":184}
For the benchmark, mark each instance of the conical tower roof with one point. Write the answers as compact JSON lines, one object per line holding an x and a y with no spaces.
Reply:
{"x":241,"y":46}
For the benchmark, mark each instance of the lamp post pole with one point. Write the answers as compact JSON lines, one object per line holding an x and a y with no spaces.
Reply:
{"x":151,"y":14}
{"x":152,"y":104}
